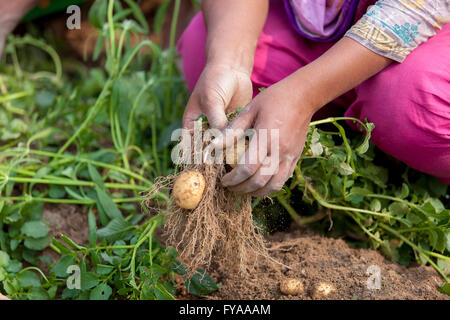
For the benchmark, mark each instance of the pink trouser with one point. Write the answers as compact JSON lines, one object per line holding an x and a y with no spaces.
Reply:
{"x":409,"y":103}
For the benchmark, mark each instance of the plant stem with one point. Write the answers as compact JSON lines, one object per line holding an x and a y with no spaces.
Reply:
{"x":296,"y":217}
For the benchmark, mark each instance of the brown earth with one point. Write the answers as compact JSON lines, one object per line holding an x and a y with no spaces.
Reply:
{"x":313,"y":258}
{"x":68,"y":220}
{"x":306,"y":255}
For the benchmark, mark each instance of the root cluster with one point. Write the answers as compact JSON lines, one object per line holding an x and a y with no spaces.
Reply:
{"x":219,"y":229}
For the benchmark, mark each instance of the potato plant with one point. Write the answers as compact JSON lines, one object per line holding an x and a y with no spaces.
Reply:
{"x":73,"y":135}
{"x":98,"y":137}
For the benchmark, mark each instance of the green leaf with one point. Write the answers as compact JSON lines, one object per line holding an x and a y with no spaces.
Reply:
{"x":32,"y":210}
{"x":97,"y":13}
{"x":345,"y":169}
{"x":162,"y":293}
{"x":447,"y":241}
{"x":160,"y":16}
{"x":201,"y":284}
{"x":399,"y":208}
{"x":37,"y":244}
{"x":69,"y":293}
{"x":437,"y":239}
{"x":56,"y":192}
{"x":437,"y":188}
{"x":115,"y":230}
{"x":52,"y":292}
{"x":316,"y":149}
{"x":95,"y":176}
{"x":445,"y":289}
{"x":101,"y":292}
{"x":375,"y":205}
{"x":404,"y":193}
{"x":74,"y":194}
{"x":437,"y":205}
{"x":29,"y":279}
{"x":88,"y":280}
{"x":98,"y":48}
{"x":444,"y":265}
{"x":92,"y":228}
{"x":108,"y":205}
{"x":45,"y":99}
{"x":60,"y":268}
{"x":34,"y":229}
{"x":14,"y":266}
{"x":37,"y":294}
{"x":4,"y":259}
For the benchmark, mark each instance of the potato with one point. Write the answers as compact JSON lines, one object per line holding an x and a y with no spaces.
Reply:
{"x":233,"y":154}
{"x":2,"y":297}
{"x":188,"y":189}
{"x":291,"y":287}
{"x":322,"y":290}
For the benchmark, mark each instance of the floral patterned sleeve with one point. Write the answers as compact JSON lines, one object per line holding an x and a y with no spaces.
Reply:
{"x":394,"y":28}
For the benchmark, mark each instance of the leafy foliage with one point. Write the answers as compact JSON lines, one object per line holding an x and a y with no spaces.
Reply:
{"x":97,"y":137}
{"x":89,"y":137}
{"x":403,"y":214}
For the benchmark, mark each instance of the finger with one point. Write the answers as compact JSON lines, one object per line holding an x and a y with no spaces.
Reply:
{"x":217,"y":118}
{"x":248,"y":164}
{"x":293,"y":166}
{"x":256,"y":182}
{"x":276,"y":182}
{"x":236,"y":129}
{"x":190,"y":115}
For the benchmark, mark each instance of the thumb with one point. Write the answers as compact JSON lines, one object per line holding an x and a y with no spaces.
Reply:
{"x":217,"y":118}
{"x":236,"y":129}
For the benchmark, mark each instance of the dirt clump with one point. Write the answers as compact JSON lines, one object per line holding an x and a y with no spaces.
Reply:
{"x":315,"y":259}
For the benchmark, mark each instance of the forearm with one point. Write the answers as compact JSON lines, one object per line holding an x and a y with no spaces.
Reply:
{"x":233,"y":28}
{"x":340,"y":69}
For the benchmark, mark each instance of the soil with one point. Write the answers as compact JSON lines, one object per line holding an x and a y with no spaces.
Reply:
{"x":303,"y":254}
{"x":313,"y":258}
{"x":68,"y":220}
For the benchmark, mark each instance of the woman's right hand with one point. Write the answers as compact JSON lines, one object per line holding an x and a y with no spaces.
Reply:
{"x":220,"y":89}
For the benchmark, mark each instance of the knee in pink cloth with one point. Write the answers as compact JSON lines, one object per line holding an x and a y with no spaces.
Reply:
{"x":409,"y":104}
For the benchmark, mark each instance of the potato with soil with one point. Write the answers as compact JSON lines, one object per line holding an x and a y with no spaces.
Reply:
{"x":188,"y":189}
{"x":322,"y":290}
{"x":291,"y":287}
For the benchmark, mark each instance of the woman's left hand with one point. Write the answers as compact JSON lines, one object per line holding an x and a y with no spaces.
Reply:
{"x":277,"y":109}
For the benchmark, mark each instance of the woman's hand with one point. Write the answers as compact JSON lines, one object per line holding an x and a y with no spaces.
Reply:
{"x":286,"y":117}
{"x":289,"y":106}
{"x":233,"y":28}
{"x":219,"y":90}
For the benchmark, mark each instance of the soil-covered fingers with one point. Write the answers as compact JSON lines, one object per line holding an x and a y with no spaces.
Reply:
{"x":236,"y":129}
{"x":208,"y":105}
{"x":256,"y":181}
{"x":277,"y":181}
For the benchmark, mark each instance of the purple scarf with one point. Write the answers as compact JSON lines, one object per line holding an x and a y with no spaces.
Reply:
{"x":321,"y":20}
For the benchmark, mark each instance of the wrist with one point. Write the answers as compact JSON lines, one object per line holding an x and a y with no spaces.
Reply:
{"x":235,"y":56}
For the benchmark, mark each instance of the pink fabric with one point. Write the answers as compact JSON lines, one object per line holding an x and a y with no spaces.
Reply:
{"x":320,"y":19}
{"x":409,"y":103}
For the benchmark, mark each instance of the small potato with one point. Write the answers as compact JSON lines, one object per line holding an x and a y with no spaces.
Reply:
{"x":322,"y":290}
{"x":2,"y":297}
{"x":233,"y":154}
{"x":188,"y":189}
{"x":291,"y":287}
